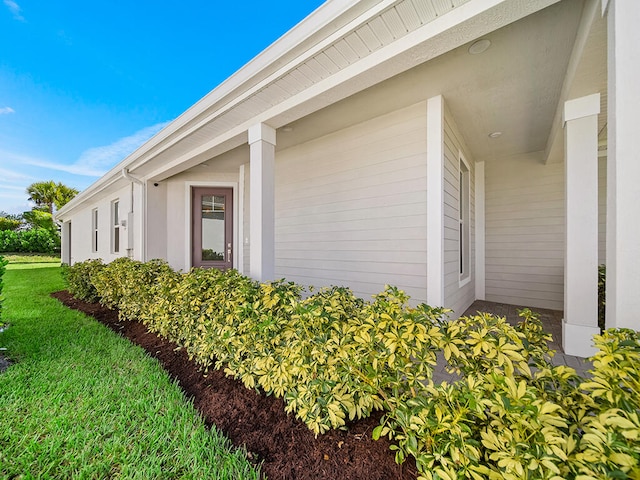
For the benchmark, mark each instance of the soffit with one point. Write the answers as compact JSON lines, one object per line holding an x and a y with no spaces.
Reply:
{"x":363,"y":45}
{"x":513,"y":87}
{"x":341,"y":48}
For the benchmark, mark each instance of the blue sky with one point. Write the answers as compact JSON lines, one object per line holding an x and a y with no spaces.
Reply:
{"x":84,"y":83}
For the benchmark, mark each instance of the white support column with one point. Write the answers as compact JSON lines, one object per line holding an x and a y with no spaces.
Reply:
{"x":262,"y":141}
{"x":581,"y":226}
{"x":435,"y":201}
{"x":479,"y":230}
{"x":65,"y":243}
{"x":240,"y":242}
{"x":623,"y":167}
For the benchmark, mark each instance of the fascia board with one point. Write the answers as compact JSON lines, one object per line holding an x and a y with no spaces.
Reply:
{"x":285,"y":45}
{"x":496,"y":13}
{"x":100,"y":186}
{"x":467,"y":22}
{"x":318,"y":19}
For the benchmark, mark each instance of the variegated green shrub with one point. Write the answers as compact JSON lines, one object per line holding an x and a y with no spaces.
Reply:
{"x":608,"y":442}
{"x":79,"y":278}
{"x":334,"y":358}
{"x":126,"y":284}
{"x":505,"y":419}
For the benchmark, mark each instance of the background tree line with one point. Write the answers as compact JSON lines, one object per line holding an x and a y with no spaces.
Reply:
{"x":35,"y":230}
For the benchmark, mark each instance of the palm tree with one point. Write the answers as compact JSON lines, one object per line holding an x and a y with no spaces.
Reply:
{"x":48,"y":193}
{"x":43,"y":194}
{"x":64,"y":195}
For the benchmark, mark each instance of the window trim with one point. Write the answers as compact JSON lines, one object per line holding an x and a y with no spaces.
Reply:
{"x":94,"y":230}
{"x":115,"y":226}
{"x":464,"y":221}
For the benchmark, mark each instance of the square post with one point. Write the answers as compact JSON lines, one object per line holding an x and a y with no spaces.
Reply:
{"x":581,"y":225}
{"x":262,"y":141}
{"x":623,"y":167}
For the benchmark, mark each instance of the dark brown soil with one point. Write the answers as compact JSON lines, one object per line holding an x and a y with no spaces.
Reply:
{"x":284,"y":446}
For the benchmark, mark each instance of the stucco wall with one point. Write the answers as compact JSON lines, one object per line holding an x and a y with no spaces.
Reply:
{"x":81,"y":228}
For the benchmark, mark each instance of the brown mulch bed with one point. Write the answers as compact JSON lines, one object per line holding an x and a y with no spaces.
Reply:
{"x":284,"y":446}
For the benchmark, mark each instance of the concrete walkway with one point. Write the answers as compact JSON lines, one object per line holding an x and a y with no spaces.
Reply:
{"x":551,"y":321}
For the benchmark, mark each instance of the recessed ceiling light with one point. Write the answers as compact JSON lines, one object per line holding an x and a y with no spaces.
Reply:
{"x":495,"y":134}
{"x":479,"y":47}
{"x":287,"y":128}
{"x":204,"y":164}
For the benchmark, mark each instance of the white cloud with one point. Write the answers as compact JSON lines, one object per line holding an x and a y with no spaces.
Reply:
{"x":12,"y":175}
{"x":15,"y":9}
{"x":12,"y":187}
{"x":6,"y":110}
{"x":96,"y":161}
{"x":105,"y":157}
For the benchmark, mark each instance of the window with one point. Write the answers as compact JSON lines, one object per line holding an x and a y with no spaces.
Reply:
{"x":115,"y":226}
{"x":464,"y":232}
{"x":94,"y":230}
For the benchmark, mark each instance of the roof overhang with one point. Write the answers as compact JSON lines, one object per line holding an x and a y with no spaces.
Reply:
{"x":340,"y":49}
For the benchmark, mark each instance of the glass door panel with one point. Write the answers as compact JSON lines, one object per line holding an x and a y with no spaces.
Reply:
{"x":212,"y":227}
{"x":213,"y":239}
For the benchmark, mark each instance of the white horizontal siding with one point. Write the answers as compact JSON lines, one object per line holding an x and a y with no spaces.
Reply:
{"x":456,"y":297}
{"x":350,"y":207}
{"x":525,"y":226}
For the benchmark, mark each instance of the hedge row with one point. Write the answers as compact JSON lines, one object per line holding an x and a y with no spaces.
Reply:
{"x":37,"y":240}
{"x":334,"y":357}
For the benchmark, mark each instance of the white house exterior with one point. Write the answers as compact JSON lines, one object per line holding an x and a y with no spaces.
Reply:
{"x":458,"y":149}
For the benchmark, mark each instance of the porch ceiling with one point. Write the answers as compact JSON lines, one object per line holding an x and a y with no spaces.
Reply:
{"x":514,"y":87}
{"x":399,"y":36}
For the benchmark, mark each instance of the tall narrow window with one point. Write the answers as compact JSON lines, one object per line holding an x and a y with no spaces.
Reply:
{"x":464,"y":233}
{"x":115,"y":226}
{"x":94,"y":230}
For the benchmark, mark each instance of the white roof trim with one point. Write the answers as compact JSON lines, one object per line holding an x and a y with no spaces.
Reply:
{"x":461,"y":19}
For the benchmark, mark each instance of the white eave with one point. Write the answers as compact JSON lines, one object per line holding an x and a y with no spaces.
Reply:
{"x":341,"y":48}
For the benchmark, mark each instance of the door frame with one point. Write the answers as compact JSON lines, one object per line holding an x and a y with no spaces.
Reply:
{"x":237,"y":218}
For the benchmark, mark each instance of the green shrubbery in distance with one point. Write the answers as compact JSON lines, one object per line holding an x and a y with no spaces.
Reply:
{"x":9,"y":223}
{"x":38,"y":240}
{"x":334,"y":358}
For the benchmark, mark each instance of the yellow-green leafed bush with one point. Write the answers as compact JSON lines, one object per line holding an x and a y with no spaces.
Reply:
{"x":504,"y":420}
{"x":492,"y":423}
{"x":127,"y":284}
{"x":313,"y":360}
{"x":253,"y":332}
{"x":349,"y":357}
{"x":334,"y":358}
{"x":608,"y":443}
{"x":79,"y":278}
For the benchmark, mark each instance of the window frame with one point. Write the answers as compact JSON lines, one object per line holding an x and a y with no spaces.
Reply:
{"x":94,"y":230}
{"x":115,"y":226}
{"x":464,"y":221}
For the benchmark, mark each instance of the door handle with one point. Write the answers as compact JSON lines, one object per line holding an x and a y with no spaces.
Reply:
{"x":228,"y":252}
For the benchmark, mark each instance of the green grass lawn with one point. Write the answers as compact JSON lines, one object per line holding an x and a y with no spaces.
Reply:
{"x":31,"y":258}
{"x":81,"y":402}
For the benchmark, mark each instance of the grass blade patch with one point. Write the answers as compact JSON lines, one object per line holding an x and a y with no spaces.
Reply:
{"x":80,"y":402}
